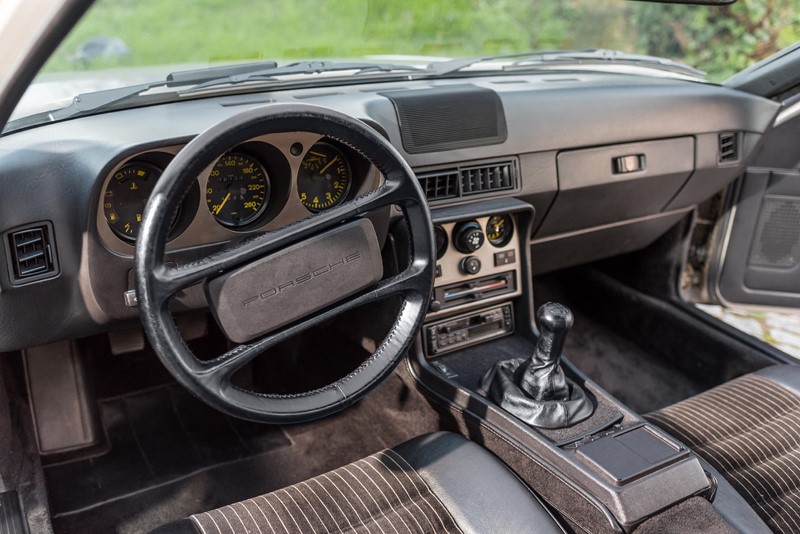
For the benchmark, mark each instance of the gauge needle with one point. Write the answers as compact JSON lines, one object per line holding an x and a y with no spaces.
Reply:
{"x":224,"y":200}
{"x":331,"y":162}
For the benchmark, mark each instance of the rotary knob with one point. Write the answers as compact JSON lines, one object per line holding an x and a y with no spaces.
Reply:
{"x":470,"y":265}
{"x":468,"y":236}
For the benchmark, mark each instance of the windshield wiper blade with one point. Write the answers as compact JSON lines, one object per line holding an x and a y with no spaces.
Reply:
{"x":272,"y":74}
{"x":451,"y":66}
{"x":198,"y":80}
{"x":537,"y":58}
{"x":601,"y":56}
{"x":97,"y":100}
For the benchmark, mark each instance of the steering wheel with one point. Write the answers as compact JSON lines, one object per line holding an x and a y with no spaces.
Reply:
{"x":273,"y":285}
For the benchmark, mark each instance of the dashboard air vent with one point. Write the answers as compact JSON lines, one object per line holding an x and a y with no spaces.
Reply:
{"x":728,"y":147}
{"x":31,"y":253}
{"x":439,"y":185}
{"x":494,"y":177}
{"x":455,"y":182}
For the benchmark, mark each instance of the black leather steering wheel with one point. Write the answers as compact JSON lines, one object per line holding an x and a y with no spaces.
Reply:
{"x":259,"y":288}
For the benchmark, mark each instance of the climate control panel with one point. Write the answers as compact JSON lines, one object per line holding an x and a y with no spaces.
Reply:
{"x":478,"y":260}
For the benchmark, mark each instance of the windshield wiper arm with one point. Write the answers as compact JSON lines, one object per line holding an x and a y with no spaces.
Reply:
{"x":304,"y":67}
{"x":200,"y":79}
{"x":527,"y":60}
{"x":97,"y":100}
{"x":602,"y":55}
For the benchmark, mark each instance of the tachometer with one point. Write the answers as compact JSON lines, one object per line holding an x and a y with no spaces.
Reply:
{"x":238,"y":190}
{"x":324,"y":178}
{"x":126,"y":196}
{"x":499,"y":229}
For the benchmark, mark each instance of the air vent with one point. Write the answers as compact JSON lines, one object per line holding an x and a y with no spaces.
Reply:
{"x":495,"y":177}
{"x":31,"y":253}
{"x":439,"y":185}
{"x":728,"y":147}
{"x":457,"y":182}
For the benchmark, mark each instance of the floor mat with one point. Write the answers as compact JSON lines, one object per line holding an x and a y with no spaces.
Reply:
{"x":238,"y":460}
{"x":640,"y":379}
{"x":155,"y":437}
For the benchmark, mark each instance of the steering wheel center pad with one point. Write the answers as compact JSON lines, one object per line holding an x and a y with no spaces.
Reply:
{"x":297,"y":281}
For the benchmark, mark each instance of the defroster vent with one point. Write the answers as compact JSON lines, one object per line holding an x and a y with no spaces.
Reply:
{"x":469,"y":180}
{"x":31,"y":253}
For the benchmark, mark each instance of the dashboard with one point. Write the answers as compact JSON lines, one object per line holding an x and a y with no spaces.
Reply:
{"x":606,"y":162}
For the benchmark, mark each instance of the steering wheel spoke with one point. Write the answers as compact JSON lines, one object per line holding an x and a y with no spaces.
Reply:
{"x":170,"y":280}
{"x":403,"y":284}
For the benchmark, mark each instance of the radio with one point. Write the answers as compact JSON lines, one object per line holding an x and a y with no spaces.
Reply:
{"x":468,"y":329}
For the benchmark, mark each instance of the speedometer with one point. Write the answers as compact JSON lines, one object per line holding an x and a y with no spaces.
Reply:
{"x":238,"y":190}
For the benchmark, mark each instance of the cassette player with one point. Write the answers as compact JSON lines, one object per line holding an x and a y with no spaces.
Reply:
{"x":468,"y":329}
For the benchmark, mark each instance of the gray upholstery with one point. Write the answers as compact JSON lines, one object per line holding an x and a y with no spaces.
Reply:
{"x":437,"y":483}
{"x":748,"y":429}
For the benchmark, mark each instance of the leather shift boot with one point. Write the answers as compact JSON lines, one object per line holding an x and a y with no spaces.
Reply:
{"x":535,"y":389}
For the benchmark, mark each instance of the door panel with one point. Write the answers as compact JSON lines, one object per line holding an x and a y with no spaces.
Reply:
{"x":761,"y":256}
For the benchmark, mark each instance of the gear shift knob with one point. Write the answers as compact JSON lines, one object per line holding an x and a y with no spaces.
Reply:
{"x":555,"y":320}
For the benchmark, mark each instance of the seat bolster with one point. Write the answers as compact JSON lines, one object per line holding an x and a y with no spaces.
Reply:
{"x":786,"y":375}
{"x":733,"y":507}
{"x":480,"y":492}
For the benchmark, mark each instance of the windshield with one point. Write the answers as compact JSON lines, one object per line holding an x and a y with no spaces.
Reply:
{"x":124,"y":42}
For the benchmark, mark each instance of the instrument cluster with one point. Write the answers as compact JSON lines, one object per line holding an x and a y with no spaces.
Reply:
{"x":264,"y":182}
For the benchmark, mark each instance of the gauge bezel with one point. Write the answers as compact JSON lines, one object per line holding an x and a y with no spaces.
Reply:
{"x":131,"y":164}
{"x":158,"y":160}
{"x":258,"y":215}
{"x":439,"y":230}
{"x":350,"y":174}
{"x":505,"y":239}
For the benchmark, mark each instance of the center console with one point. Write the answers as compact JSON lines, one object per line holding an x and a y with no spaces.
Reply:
{"x":606,"y":470}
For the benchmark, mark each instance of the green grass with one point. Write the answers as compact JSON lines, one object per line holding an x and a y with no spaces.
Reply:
{"x":160,"y":32}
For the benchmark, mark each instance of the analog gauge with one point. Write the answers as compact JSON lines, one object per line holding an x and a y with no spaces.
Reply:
{"x":499,"y":229}
{"x":237,"y":192}
{"x":324,"y":178}
{"x":441,"y":241}
{"x":126,"y":196}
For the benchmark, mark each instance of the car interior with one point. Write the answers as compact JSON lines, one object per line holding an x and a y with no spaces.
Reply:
{"x":450,"y":304}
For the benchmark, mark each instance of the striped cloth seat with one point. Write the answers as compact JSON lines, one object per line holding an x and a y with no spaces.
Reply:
{"x":381,"y":493}
{"x":433,"y":484}
{"x":749,"y":430}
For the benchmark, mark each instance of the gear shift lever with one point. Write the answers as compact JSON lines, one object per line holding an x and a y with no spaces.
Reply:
{"x":536,"y":390}
{"x":541,"y":377}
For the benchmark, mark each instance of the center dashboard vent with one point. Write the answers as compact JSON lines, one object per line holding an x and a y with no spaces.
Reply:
{"x":31,"y":253}
{"x":728,"y":147}
{"x":469,"y":180}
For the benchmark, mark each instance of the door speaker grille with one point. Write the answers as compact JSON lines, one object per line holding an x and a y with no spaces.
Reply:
{"x":777,"y":236}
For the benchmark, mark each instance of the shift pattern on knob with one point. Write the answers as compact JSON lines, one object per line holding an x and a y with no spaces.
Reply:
{"x":468,"y":236}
